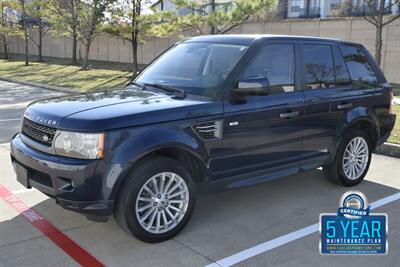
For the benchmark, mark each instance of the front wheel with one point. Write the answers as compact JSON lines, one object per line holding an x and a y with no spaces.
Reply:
{"x":157,"y":200}
{"x":352,"y":159}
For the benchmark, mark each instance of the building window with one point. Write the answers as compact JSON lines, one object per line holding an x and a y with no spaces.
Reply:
{"x":295,"y":6}
{"x":336,"y":4}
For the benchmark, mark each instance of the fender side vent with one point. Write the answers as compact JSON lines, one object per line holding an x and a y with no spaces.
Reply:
{"x":209,"y":130}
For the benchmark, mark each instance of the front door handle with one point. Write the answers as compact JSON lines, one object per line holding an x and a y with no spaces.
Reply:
{"x":289,"y":114}
{"x":345,"y":106}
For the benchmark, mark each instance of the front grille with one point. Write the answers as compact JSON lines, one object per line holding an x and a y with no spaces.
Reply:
{"x":40,"y":133}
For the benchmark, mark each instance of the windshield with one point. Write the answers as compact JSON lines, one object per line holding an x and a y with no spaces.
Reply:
{"x":196,"y":68}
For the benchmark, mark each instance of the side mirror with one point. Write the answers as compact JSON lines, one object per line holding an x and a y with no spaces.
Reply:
{"x":252,"y":86}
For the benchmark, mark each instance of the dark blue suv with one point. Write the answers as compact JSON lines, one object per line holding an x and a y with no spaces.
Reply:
{"x":211,"y":113}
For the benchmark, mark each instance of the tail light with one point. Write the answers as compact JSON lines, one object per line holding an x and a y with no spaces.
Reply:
{"x":391,"y":104}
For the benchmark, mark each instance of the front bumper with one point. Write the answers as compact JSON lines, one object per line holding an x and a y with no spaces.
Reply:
{"x":85,"y":186}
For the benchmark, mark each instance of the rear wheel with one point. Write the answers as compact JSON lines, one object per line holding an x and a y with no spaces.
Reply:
{"x":157,"y":201}
{"x":352,"y":159}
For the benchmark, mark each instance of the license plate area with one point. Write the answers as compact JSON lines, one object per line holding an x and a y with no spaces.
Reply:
{"x":22,"y":174}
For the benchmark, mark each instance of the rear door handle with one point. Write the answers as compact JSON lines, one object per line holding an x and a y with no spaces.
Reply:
{"x":345,"y":106}
{"x":289,"y":115}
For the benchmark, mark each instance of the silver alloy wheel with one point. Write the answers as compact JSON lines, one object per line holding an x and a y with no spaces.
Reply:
{"x":162,"y":202}
{"x":355,"y":158}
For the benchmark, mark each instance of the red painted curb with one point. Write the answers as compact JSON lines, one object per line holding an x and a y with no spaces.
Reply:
{"x":70,"y":247}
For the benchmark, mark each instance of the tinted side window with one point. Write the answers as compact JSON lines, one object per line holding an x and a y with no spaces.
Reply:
{"x":360,"y":70}
{"x":318,"y":65}
{"x":276,"y":63}
{"x":341,"y":72}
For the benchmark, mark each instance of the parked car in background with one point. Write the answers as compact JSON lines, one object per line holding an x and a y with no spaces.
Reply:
{"x":211,"y":113}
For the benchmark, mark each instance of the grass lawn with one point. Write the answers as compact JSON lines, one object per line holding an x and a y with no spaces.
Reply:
{"x":64,"y":75}
{"x":395,"y":136}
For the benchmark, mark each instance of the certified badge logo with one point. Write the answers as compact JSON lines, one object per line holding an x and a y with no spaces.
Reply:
{"x":353,"y":205}
{"x":353,"y":229}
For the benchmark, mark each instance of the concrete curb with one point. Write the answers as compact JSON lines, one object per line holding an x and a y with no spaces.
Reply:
{"x":44,"y":86}
{"x":388,"y":149}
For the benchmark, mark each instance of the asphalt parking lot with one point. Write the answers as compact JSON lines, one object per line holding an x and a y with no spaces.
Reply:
{"x":268,"y":225}
{"x":13,"y":100}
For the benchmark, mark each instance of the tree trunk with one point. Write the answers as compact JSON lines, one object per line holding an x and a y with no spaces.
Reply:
{"x":5,"y":43}
{"x":25,"y":27}
{"x":136,"y":9}
{"x":134,"y":56}
{"x":74,"y":48}
{"x":4,"y":36}
{"x":40,"y":43}
{"x":85,"y":63}
{"x":74,"y":33}
{"x":212,"y":3}
{"x":378,"y":34}
{"x":26,"y":45}
{"x":378,"y":44}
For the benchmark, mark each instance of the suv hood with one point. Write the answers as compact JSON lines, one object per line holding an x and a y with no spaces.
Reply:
{"x":116,"y":109}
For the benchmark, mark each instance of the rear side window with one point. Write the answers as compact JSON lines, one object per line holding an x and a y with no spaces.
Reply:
{"x":361,"y":71}
{"x":275,"y":62}
{"x":318,"y":65}
{"x":341,"y":72}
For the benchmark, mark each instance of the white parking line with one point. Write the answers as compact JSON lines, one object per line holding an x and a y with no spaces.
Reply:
{"x":2,"y":120}
{"x":282,"y":240}
{"x":21,"y":191}
{"x":5,"y":144}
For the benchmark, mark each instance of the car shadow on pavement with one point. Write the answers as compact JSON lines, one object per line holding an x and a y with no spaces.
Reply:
{"x":222,"y":223}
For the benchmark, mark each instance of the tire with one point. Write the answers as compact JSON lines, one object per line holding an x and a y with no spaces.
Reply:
{"x":340,"y":170}
{"x":138,"y":200}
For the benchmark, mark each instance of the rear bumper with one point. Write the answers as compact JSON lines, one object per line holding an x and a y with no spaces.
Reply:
{"x":386,"y":128}
{"x":84,"y":186}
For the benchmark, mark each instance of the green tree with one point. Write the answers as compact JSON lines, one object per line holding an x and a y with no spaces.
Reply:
{"x":62,"y":15}
{"x":8,"y":24}
{"x":127,"y":21}
{"x":219,"y":17}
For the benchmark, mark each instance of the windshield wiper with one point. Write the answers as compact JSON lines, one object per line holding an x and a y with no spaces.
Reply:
{"x":141,"y":86}
{"x":179,"y":93}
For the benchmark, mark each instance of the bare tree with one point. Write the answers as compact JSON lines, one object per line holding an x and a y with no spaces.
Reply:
{"x":38,"y":21}
{"x":6,"y":26}
{"x":282,"y":9}
{"x":63,"y":18}
{"x":377,"y":13}
{"x":90,"y":14}
{"x":129,"y":22}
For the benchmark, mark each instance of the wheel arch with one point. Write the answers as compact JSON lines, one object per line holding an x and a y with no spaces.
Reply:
{"x":366,"y":124}
{"x":194,"y":164}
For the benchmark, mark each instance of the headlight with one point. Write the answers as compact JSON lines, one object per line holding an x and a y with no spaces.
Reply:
{"x":79,"y":145}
